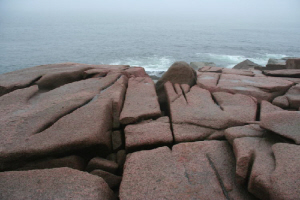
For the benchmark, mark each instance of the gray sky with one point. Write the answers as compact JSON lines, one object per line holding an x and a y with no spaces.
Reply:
{"x":259,"y":9}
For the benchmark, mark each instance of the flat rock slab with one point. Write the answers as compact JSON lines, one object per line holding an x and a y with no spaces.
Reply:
{"x":59,"y":183}
{"x":141,"y":101}
{"x":198,"y":107}
{"x":284,"y":123}
{"x":294,"y":73}
{"x":189,"y":133}
{"x":262,"y":88}
{"x":251,"y":130}
{"x":200,"y":170}
{"x":148,"y":134}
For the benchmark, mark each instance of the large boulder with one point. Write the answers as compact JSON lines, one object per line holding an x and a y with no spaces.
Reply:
{"x":59,"y":183}
{"x":180,"y":73}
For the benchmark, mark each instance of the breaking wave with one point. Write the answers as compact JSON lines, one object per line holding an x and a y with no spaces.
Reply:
{"x":230,"y":61}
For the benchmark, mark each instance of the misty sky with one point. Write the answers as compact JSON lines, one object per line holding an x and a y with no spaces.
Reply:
{"x":258,"y":9}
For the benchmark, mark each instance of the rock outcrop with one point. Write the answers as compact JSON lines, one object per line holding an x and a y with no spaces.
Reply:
{"x":77,"y":131}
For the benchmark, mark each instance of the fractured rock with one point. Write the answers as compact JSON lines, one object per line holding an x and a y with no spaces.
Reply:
{"x":59,"y":183}
{"x":251,"y":130}
{"x":199,"y":170}
{"x":284,"y":123}
{"x":140,"y":102}
{"x":291,"y":98}
{"x":266,"y":88}
{"x":55,"y":122}
{"x":148,"y":134}
{"x":197,"y":107}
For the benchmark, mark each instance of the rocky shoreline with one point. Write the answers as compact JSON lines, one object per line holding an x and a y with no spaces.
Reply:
{"x":78,"y":131}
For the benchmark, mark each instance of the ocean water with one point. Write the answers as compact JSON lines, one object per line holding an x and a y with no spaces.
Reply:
{"x":152,"y":42}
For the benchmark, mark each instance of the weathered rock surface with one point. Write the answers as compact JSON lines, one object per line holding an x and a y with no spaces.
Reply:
{"x":59,"y":183}
{"x":50,"y":76}
{"x":140,"y":102}
{"x":86,"y":117}
{"x":58,"y":121}
{"x":286,"y":176}
{"x":284,"y":123}
{"x":291,"y":99}
{"x":198,"y":107}
{"x":251,"y":130}
{"x":200,"y":170}
{"x":266,"y":88}
{"x":148,"y":134}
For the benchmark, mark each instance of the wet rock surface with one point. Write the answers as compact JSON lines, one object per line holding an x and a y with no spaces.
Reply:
{"x":77,"y":131}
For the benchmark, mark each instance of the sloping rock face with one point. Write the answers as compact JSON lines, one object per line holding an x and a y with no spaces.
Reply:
{"x":77,"y":131}
{"x":246,"y":64}
{"x":59,"y":183}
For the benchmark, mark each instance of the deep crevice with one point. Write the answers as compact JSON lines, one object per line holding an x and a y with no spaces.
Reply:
{"x":216,"y":102}
{"x":184,"y":95}
{"x":218,"y":177}
{"x":257,"y":118}
{"x":219,"y":79}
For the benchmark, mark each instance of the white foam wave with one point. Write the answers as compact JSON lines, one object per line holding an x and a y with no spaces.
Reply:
{"x":230,"y":61}
{"x":153,"y":63}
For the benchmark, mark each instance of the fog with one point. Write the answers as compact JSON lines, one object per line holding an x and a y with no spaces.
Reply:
{"x":283,"y":10}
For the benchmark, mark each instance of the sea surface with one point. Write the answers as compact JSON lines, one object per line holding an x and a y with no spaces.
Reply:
{"x":152,"y":42}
